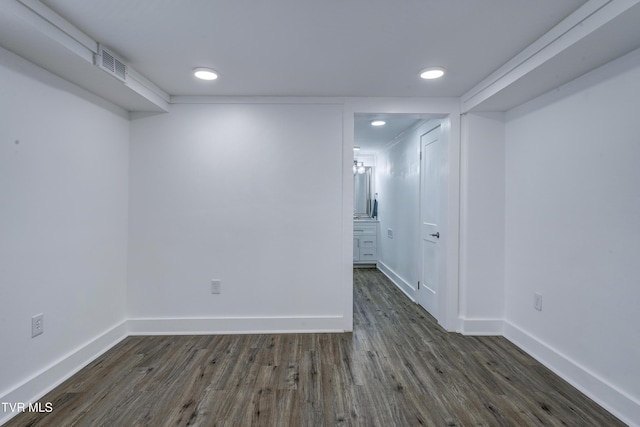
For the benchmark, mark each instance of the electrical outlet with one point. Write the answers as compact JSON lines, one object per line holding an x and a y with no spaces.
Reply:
{"x":537,"y":302}
{"x":216,"y":286}
{"x":37,"y":325}
{"x":389,"y":233}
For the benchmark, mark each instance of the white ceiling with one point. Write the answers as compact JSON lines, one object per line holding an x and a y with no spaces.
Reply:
{"x":324,"y":48}
{"x":372,"y":139}
{"x":315,"y":48}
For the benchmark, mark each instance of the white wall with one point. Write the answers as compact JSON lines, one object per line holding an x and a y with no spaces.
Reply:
{"x":398,"y":187}
{"x":573,"y":232}
{"x":253,"y":193}
{"x":482,"y":223}
{"x":63,"y":226}
{"x":248,"y":193}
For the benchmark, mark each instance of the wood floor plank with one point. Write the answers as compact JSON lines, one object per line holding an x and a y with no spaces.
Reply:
{"x":397,"y":368}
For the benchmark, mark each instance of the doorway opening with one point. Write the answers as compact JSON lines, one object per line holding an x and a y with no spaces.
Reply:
{"x":411,"y":193}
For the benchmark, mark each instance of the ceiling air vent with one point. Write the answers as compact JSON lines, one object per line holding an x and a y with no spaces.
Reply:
{"x":110,"y":63}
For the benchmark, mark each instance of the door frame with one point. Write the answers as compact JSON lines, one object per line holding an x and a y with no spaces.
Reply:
{"x":447,"y":110}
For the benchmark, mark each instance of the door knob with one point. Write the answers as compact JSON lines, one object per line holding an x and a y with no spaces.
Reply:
{"x":436,"y":235}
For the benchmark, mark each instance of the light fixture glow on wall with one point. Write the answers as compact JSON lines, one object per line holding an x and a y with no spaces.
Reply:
{"x":378,"y":123}
{"x":205,"y":73}
{"x":432,"y":73}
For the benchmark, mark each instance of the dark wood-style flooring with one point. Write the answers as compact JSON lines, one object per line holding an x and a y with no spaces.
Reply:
{"x":397,"y":368}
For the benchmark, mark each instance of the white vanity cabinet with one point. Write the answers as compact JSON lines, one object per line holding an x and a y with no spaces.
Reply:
{"x":365,"y":242}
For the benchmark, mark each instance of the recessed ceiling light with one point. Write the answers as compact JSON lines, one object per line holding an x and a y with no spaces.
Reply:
{"x":378,"y":123}
{"x":432,"y":73}
{"x":356,"y":148}
{"x":205,"y":73}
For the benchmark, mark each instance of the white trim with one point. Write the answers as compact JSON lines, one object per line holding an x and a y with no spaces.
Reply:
{"x":145,"y":87}
{"x":616,"y":67}
{"x":580,"y":24}
{"x":449,"y":302}
{"x":49,"y":378}
{"x":58,"y":29}
{"x":236,"y":325}
{"x":51,"y":31}
{"x":55,"y":27}
{"x":213,"y":99}
{"x":402,"y":284}
{"x":60,"y":23}
{"x":346,"y":264}
{"x":482,"y":327}
{"x":620,"y":404}
{"x":447,"y":109}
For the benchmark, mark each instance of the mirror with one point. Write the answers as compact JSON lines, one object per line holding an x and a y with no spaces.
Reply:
{"x":362,"y":193}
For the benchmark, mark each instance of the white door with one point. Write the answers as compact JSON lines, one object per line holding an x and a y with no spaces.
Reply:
{"x":432,"y":179}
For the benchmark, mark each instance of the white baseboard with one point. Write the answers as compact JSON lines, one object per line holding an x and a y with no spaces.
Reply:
{"x":402,"y":284}
{"x":236,"y":325}
{"x":623,"y":406}
{"x":482,"y":327}
{"x":46,"y":380}
{"x":49,"y":378}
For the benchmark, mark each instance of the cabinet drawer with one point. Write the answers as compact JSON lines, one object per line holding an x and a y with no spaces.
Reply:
{"x":368,"y":254}
{"x":364,"y":229}
{"x":368,"y":241}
